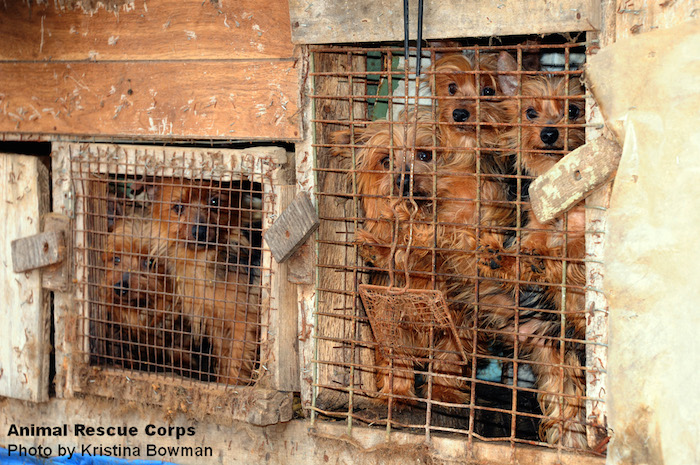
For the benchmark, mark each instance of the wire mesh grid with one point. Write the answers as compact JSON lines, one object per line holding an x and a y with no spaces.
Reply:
{"x":171,"y":276}
{"x":422,"y":186}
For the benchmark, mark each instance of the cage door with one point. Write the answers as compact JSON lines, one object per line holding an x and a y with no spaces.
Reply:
{"x":24,"y":312}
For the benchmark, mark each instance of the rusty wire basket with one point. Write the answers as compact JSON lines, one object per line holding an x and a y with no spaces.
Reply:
{"x":390,"y":308}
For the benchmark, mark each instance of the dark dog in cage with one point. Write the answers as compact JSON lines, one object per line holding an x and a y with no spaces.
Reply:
{"x":137,"y":291}
{"x":396,"y":168}
{"x":209,"y":257}
{"x":550,"y":256}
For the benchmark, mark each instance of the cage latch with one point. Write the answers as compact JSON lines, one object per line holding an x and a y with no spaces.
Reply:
{"x":46,"y":250}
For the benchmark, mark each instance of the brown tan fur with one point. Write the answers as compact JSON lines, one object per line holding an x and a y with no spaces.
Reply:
{"x":138,"y":294}
{"x":541,"y":126}
{"x":206,"y":250}
{"x":395,"y":176}
{"x":469,"y":106}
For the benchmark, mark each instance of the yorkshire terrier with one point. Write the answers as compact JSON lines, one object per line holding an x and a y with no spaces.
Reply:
{"x":136,"y":289}
{"x":545,"y":125}
{"x":209,"y":257}
{"x":396,"y":175}
{"x":469,"y":109}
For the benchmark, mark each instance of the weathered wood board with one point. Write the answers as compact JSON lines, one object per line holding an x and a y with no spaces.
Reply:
{"x":212,"y":99}
{"x":24,"y":313}
{"x":573,"y":178}
{"x":153,"y":70}
{"x":315,"y":22}
{"x":147,"y":30}
{"x":291,"y":229}
{"x":284,"y":343}
{"x":343,"y":367}
{"x":37,"y":251}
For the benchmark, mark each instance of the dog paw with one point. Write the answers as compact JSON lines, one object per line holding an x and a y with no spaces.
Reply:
{"x":489,"y":261}
{"x":531,"y":262}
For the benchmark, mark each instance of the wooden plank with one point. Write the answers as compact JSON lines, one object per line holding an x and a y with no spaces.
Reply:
{"x":254,"y":405}
{"x":291,"y":229}
{"x":256,"y":100}
{"x":342,"y":319}
{"x":38,"y":251}
{"x":573,"y":178}
{"x":267,"y":163}
{"x":597,"y":307}
{"x":65,"y":311}
{"x":58,"y":277}
{"x":284,"y":309}
{"x":315,"y":22}
{"x":147,"y":30}
{"x":303,"y":264}
{"x":24,"y":351}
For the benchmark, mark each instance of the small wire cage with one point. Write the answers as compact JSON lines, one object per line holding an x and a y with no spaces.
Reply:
{"x":171,"y":276}
{"x":444,"y":305}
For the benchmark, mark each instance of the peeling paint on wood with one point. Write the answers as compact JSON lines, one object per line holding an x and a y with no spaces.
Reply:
{"x":24,"y":311}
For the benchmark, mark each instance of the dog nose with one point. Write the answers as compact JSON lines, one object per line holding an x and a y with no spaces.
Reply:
{"x":460,"y":115}
{"x":200,"y":232}
{"x":549,"y":135}
{"x":403,"y":182}
{"x":121,"y":288}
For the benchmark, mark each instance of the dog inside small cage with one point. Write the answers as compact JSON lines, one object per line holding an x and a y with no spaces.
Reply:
{"x":173,"y":279}
{"x":468,"y":311}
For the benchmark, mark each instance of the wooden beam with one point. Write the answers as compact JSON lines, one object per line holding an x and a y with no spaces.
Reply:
{"x":58,"y":277}
{"x":291,"y":229}
{"x":573,"y":178}
{"x":25,"y":311}
{"x":284,"y":342}
{"x":38,"y":251}
{"x":147,"y":30}
{"x":256,"y":100}
{"x":315,"y":22}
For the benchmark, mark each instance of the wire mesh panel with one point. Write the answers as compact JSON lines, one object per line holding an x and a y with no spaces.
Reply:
{"x":172,"y":278}
{"x":444,"y":304}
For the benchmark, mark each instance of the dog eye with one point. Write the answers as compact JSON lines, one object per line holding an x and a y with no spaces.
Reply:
{"x":117,"y":259}
{"x":386,"y":163}
{"x":488,"y":91}
{"x":178,"y":208}
{"x":531,"y":114}
{"x":573,"y":111}
{"x":214,"y":201}
{"x":148,"y":263}
{"x":452,"y":88}
{"x":425,"y":156}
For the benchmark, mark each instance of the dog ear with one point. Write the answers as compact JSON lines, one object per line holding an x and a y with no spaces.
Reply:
{"x":342,"y":139}
{"x":145,"y":185}
{"x":508,"y":82}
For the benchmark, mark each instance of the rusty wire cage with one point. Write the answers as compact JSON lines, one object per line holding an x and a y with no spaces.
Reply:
{"x":172,"y":276}
{"x":422,"y":187}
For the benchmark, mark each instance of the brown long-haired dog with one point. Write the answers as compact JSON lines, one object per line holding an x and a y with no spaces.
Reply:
{"x":548,"y":125}
{"x":469,"y":108}
{"x":208,"y":255}
{"x":136,"y":289}
{"x":395,"y":174}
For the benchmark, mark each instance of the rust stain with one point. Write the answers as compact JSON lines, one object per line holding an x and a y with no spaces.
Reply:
{"x":638,"y":441}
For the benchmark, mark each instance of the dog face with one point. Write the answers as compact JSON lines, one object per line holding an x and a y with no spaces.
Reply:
{"x":199,"y":214}
{"x":458,"y":87}
{"x":547,"y":122}
{"x":135,"y":286}
{"x":544,"y":133}
{"x":391,"y":170}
